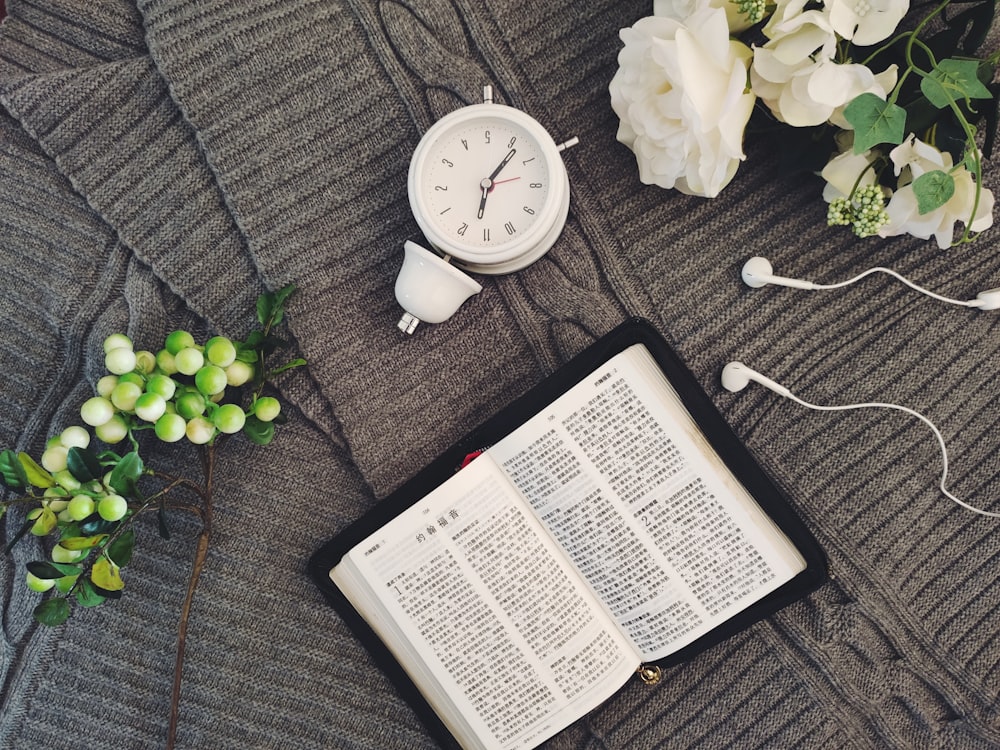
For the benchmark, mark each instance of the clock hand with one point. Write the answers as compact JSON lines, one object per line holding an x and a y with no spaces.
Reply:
{"x":501,"y":165}
{"x":487,"y":183}
{"x":501,"y":182}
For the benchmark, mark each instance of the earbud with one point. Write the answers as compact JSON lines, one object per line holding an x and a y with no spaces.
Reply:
{"x":736,"y":376}
{"x":758,"y":272}
{"x":429,"y":288}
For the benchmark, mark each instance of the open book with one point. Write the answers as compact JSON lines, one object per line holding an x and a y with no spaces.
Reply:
{"x":603,"y":530}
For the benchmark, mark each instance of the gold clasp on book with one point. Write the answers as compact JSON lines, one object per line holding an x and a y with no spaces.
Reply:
{"x":649,"y":673}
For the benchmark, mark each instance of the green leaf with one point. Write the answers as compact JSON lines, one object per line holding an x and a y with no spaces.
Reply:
{"x":105,"y":575}
{"x":299,"y":362}
{"x":875,"y":121}
{"x":37,"y":476}
{"x":83,"y":464}
{"x":933,"y":190}
{"x":120,"y":550}
{"x":87,"y":594}
{"x":246,"y":355}
{"x":44,"y":521}
{"x":954,"y":80}
{"x":94,"y":524}
{"x":264,"y":304}
{"x":257,"y":431}
{"x":83,"y":542}
{"x":126,"y":473}
{"x":282,"y":294}
{"x":12,"y":471}
{"x":52,"y":612}
{"x":47,"y":570}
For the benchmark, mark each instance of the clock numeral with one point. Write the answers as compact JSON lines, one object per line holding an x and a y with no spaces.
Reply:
{"x":535,"y":185}
{"x":487,"y":135}
{"x":529,"y":210}
{"x":466,"y":144}
{"x":528,"y":160}
{"x":511,"y":142}
{"x":449,"y":209}
{"x":443,"y":188}
{"x":463,"y":229}
{"x":509,"y":227}
{"x":447,"y":163}
{"x":486,"y":234}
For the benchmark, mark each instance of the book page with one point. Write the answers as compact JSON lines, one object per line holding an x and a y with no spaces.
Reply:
{"x":476,"y":602}
{"x":661,"y":530}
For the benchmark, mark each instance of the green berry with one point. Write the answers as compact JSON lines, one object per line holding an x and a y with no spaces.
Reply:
{"x":210,"y":380}
{"x":80,"y":506}
{"x":189,"y":361}
{"x":120,"y":360}
{"x":60,"y":554}
{"x":150,"y":406}
{"x":55,"y":498}
{"x":145,"y":362}
{"x":170,"y":428}
{"x":190,"y":405}
{"x":178,"y":340}
{"x":220,"y":351}
{"x":165,"y":362}
{"x":267,"y":408}
{"x":200,"y":431}
{"x":96,"y":411}
{"x":54,"y":458}
{"x":112,"y":507}
{"x":134,"y":378}
{"x":74,"y":436}
{"x":229,"y":418}
{"x":65,"y":584}
{"x":238,"y":373}
{"x":66,"y":480}
{"x":125,"y":395}
{"x":106,"y":384}
{"x":162,"y":385}
{"x":117,"y":341}
{"x":113,"y":431}
{"x":38,"y":584}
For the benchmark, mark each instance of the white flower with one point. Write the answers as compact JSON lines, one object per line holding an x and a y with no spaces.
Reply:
{"x":682,"y":10}
{"x":846,"y":170}
{"x":798,"y":36}
{"x":913,"y":158}
{"x":866,"y":22}
{"x":680,"y":92}
{"x":795,"y":75}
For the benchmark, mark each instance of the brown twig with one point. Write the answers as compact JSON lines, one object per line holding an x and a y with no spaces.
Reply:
{"x":201,"y":552}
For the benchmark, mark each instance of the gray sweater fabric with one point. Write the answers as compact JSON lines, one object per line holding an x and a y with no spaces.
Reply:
{"x":163,"y":162}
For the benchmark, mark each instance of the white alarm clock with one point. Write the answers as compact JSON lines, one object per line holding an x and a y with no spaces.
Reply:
{"x":489,"y":190}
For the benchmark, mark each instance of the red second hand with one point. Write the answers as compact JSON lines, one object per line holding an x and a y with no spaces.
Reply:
{"x":498,"y":182}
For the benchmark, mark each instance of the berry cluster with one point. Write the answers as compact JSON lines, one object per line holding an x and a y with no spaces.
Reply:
{"x":864,"y":211}
{"x":180,"y":391}
{"x":89,"y":497}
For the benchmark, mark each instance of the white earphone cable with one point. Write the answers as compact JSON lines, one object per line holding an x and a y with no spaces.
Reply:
{"x":922,"y":418}
{"x":890,"y":272}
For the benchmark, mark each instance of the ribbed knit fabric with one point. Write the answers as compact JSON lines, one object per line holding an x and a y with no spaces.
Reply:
{"x":163,"y":161}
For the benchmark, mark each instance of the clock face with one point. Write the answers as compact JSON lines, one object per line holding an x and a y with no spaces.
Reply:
{"x":486,"y":183}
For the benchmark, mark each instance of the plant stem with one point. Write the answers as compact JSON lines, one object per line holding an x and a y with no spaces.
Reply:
{"x":201,"y":552}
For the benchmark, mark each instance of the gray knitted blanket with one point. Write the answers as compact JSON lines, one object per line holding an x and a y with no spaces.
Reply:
{"x":164,"y":161}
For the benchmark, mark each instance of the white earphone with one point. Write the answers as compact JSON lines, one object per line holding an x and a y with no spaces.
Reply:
{"x":758,"y":272}
{"x":736,"y":376}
